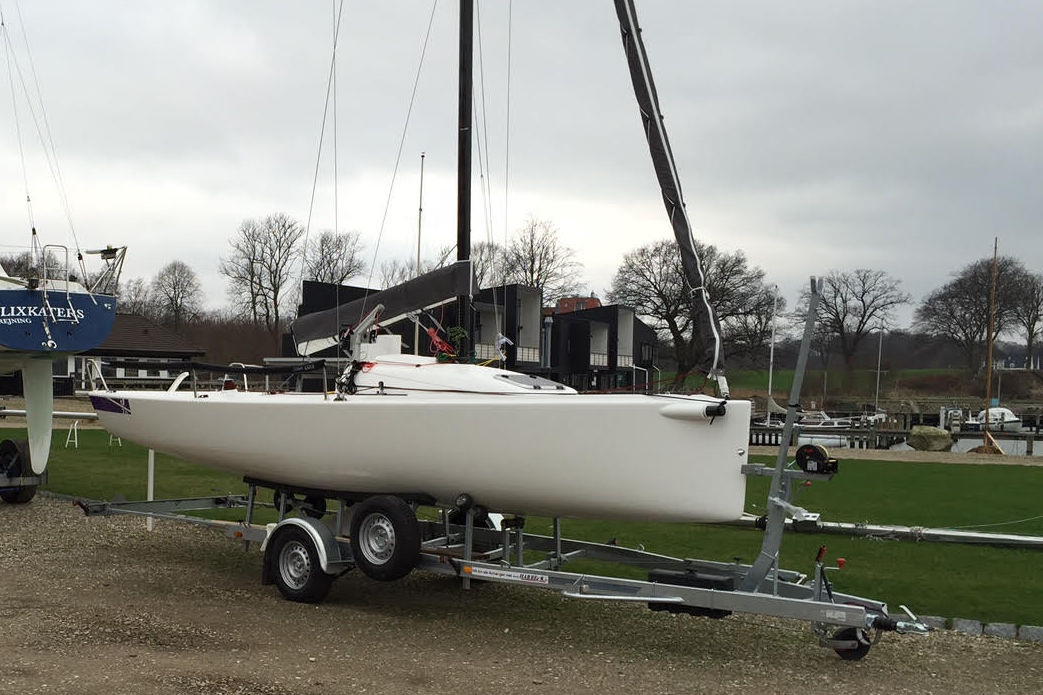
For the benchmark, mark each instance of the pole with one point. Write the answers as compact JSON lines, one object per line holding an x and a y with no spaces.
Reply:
{"x":988,"y":361}
{"x":463,"y":169}
{"x":771,"y":350}
{"x":419,"y":226}
{"x":879,"y":353}
{"x":150,"y":493}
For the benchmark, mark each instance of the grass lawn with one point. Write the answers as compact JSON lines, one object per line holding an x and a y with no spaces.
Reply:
{"x":951,"y":580}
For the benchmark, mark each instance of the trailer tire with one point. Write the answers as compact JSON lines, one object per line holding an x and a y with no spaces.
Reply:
{"x":853,"y":633}
{"x":295,"y":566}
{"x":314,"y":506}
{"x":18,"y":495}
{"x":385,"y":537}
{"x":14,"y":459}
{"x":283,"y":500}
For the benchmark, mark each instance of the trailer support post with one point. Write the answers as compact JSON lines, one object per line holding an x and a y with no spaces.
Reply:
{"x":251,"y":498}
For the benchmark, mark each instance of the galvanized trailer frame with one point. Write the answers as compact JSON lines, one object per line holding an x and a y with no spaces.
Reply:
{"x":842,"y":622}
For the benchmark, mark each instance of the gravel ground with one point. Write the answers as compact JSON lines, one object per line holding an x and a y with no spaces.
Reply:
{"x":100,"y":605}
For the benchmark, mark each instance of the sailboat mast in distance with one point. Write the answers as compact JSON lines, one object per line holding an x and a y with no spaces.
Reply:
{"x":463,"y":171}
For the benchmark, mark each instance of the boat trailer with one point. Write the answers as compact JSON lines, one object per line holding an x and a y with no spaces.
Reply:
{"x":381,"y":535}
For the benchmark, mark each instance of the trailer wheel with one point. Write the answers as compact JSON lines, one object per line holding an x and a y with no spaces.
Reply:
{"x":385,"y":537}
{"x":314,"y":506}
{"x":853,"y":633}
{"x":18,"y":495}
{"x":283,"y":500}
{"x":14,"y":457}
{"x":295,"y":567}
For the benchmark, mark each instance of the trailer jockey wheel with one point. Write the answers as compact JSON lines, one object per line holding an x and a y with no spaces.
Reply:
{"x":14,"y":462}
{"x":385,"y":537}
{"x":295,"y":566}
{"x":855,"y":634}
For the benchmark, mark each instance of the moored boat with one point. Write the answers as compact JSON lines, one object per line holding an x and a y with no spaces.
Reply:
{"x":999,"y":420}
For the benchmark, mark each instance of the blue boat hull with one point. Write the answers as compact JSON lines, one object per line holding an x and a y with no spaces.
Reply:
{"x":64,"y":324}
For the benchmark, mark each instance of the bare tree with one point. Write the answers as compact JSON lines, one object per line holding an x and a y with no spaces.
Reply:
{"x":487,"y":258}
{"x":177,"y":293}
{"x":1027,"y":313}
{"x":959,"y":310}
{"x":242,"y":269}
{"x":28,"y":264}
{"x":536,"y":258}
{"x":135,"y":297}
{"x":853,"y":305}
{"x":651,"y":280}
{"x":748,"y":334}
{"x":396,"y":271}
{"x":334,"y":257}
{"x":260,"y":265}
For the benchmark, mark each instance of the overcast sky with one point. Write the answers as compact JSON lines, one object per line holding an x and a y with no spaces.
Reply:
{"x":810,"y":135}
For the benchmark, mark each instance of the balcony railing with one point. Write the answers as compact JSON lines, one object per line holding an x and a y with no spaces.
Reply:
{"x":524,"y":354}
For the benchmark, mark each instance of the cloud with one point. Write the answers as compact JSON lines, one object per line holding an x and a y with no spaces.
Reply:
{"x":811,"y":135}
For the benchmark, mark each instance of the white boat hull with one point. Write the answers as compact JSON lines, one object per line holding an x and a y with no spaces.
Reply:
{"x":594,"y":456}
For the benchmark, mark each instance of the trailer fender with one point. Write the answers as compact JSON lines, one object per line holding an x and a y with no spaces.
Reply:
{"x":331,"y":559}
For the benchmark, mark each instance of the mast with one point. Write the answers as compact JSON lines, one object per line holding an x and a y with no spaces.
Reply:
{"x":706,"y":325}
{"x":463,"y":171}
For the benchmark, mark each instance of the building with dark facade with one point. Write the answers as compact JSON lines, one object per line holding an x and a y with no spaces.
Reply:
{"x":579,"y":342}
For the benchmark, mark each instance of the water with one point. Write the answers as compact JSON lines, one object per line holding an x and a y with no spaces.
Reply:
{"x":1012,"y":447}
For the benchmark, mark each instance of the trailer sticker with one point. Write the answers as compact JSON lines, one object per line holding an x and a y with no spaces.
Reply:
{"x":489,"y":573}
{"x":836,"y":615}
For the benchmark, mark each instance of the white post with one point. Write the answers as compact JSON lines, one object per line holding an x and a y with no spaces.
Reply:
{"x":879,"y":352}
{"x":151,"y":495}
{"x":771,"y":352}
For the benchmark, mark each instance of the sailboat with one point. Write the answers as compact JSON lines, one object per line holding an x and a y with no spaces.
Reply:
{"x":49,"y":309}
{"x":453,"y":433}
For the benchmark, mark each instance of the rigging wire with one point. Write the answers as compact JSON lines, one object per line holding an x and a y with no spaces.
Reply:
{"x":43,"y":131}
{"x":11,"y":63}
{"x":507,"y":145}
{"x":330,"y":90}
{"x":331,"y":97}
{"x":50,"y":150}
{"x":484,"y":168}
{"x":398,"y":156}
